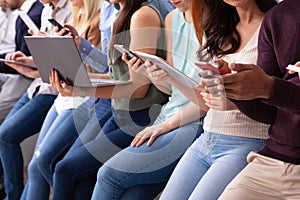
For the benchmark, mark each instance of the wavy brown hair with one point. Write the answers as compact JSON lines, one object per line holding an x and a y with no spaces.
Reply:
{"x":217,"y":20}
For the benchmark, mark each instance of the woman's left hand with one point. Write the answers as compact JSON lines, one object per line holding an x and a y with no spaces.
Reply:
{"x":217,"y":101}
{"x":61,"y":86}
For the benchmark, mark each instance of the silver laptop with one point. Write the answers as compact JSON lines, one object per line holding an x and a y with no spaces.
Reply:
{"x":61,"y":53}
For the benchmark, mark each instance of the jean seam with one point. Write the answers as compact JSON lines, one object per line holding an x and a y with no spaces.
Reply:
{"x":147,"y":167}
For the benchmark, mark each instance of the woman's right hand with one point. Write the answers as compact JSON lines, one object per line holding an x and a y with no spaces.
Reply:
{"x":134,"y":64}
{"x":71,"y":32}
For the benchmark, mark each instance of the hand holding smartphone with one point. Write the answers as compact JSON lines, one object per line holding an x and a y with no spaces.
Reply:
{"x":29,"y":23}
{"x":208,"y":66}
{"x":55,"y":23}
{"x":293,"y":68}
{"x":129,"y":53}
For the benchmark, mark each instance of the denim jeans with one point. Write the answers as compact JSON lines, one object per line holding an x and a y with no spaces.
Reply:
{"x":57,"y":134}
{"x":83,"y":160}
{"x":24,"y":120}
{"x":211,"y":162}
{"x":144,"y":165}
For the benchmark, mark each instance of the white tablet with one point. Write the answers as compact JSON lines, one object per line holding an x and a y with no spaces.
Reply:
{"x":29,"y":23}
{"x":172,"y":71}
{"x":17,"y":63}
{"x":107,"y":82}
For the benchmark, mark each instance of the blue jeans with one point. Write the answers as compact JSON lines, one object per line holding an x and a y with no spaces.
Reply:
{"x":24,"y":120}
{"x":83,"y":160}
{"x":211,"y":162}
{"x":57,"y":134}
{"x":144,"y":165}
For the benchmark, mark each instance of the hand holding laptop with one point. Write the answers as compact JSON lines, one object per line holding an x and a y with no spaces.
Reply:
{"x":62,"y":87}
{"x":69,"y":30}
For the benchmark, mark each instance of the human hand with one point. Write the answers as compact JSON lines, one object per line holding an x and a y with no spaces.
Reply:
{"x":213,"y":93}
{"x":134,"y":64}
{"x":37,"y":34}
{"x":69,"y":30}
{"x":222,"y":66}
{"x":249,"y":82}
{"x":22,"y":58}
{"x":155,"y":74}
{"x":61,"y":86}
{"x":151,"y":133}
{"x":217,"y":101}
{"x":298,"y":65}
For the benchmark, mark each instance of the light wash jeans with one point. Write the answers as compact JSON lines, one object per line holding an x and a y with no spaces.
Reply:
{"x":211,"y":162}
{"x":24,"y":120}
{"x":58,"y":133}
{"x":144,"y":166}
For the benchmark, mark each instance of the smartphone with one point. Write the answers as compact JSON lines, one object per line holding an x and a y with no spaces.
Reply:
{"x":293,"y":68}
{"x":208,"y":66}
{"x":55,"y":23}
{"x":129,"y":53}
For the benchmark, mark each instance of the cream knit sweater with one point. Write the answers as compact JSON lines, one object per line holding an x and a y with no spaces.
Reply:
{"x":233,"y":122}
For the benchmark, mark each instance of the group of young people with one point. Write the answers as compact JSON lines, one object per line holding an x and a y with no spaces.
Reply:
{"x":233,"y":137}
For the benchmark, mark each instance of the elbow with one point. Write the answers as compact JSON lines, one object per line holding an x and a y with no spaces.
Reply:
{"x":138,"y":95}
{"x":140,"y":92}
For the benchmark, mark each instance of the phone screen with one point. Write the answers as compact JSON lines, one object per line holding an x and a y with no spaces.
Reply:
{"x":55,"y":23}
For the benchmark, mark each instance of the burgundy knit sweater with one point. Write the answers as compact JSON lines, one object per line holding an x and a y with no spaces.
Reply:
{"x":278,"y":46}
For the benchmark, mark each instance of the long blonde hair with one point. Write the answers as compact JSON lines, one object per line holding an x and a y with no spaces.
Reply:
{"x":91,"y":10}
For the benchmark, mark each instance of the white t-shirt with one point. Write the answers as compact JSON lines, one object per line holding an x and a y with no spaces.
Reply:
{"x":7,"y":31}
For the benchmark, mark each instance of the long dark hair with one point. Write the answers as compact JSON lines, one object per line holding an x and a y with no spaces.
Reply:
{"x":123,"y":23}
{"x":218,"y":23}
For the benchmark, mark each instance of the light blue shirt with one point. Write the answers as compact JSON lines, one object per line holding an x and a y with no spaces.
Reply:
{"x":98,"y":59}
{"x":90,"y":54}
{"x":184,"y":47}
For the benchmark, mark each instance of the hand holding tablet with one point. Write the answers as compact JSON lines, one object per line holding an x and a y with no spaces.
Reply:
{"x":29,"y":23}
{"x":18,"y":63}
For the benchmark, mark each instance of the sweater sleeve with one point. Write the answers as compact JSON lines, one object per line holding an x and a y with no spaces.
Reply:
{"x":275,"y":51}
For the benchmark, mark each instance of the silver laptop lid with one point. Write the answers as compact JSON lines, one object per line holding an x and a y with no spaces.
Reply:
{"x":60,"y":53}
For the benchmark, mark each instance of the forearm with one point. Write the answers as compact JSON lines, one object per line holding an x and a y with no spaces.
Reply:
{"x":131,"y":90}
{"x":164,"y":87}
{"x":98,"y":76}
{"x":189,"y":114}
{"x":93,"y":56}
{"x":192,"y":94}
{"x":287,"y":89}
